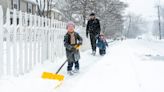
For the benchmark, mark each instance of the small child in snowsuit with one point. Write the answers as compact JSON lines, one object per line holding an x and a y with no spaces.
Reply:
{"x":71,"y":40}
{"x":101,"y":44}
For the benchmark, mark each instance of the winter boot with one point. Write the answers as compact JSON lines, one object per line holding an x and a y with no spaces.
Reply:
{"x":76,"y":71}
{"x":102,"y":52}
{"x":70,"y":73}
{"x":93,"y":53}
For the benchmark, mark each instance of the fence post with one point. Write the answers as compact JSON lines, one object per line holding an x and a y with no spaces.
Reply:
{"x":15,"y":54}
{"x":44,"y":44}
{"x":49,"y":39}
{"x":42,"y":40}
{"x":26,"y":44}
{"x":21,"y":61}
{"x":30,"y":42}
{"x":34,"y":39}
{"x":52,"y":40}
{"x":1,"y":43}
{"x":8,"y":43}
{"x":39,"y":40}
{"x":46,"y":39}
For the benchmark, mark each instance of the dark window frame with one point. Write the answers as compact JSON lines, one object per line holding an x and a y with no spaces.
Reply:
{"x":29,"y":8}
{"x":17,"y":3}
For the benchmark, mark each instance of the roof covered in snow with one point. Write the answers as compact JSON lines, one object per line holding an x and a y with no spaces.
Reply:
{"x":56,"y":10}
{"x":31,"y":1}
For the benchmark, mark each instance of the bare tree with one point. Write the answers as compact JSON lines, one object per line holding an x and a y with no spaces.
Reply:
{"x":68,"y":9}
{"x":108,"y":11}
{"x":77,"y":7}
{"x":158,"y":27}
{"x":135,"y":26}
{"x":41,"y":7}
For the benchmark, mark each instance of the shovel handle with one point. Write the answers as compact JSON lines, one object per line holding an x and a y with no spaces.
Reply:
{"x":61,"y":67}
{"x":77,"y":47}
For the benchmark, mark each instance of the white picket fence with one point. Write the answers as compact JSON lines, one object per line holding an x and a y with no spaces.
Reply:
{"x":29,"y":40}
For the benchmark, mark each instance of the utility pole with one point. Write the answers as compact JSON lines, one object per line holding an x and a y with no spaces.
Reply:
{"x":159,"y":22}
{"x":127,"y":34}
{"x":159,"y":19}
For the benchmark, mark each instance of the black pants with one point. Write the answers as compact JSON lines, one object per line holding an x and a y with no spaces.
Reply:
{"x":70,"y":65}
{"x":102,"y":51}
{"x":93,"y":41}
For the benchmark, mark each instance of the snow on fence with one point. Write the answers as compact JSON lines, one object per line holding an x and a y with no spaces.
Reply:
{"x":27,"y":40}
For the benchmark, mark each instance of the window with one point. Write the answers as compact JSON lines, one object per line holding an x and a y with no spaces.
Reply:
{"x":29,"y":7}
{"x":54,"y":15}
{"x":15,"y":4}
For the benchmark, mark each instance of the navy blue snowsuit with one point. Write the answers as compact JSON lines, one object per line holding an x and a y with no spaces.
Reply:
{"x":101,"y":44}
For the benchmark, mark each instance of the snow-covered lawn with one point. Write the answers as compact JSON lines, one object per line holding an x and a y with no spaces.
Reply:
{"x":128,"y":66}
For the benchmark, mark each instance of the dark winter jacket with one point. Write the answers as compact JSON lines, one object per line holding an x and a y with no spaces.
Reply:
{"x":101,"y":43}
{"x":71,"y":53}
{"x":93,"y":27}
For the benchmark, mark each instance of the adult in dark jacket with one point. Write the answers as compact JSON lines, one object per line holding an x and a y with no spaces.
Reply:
{"x":72,"y":39}
{"x":93,"y":29}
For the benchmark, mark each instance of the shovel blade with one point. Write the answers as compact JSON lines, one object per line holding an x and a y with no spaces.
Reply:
{"x":52,"y":76}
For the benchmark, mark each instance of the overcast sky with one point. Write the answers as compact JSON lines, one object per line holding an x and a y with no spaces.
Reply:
{"x":146,"y":8}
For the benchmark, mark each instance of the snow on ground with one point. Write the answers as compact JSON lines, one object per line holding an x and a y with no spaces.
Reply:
{"x":127,"y":69}
{"x":129,"y":66}
{"x":32,"y":82}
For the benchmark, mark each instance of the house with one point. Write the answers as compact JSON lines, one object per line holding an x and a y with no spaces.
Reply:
{"x":29,"y":6}
{"x":54,"y":14}
{"x":51,"y":11}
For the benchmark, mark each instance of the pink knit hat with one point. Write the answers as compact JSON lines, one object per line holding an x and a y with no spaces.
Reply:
{"x":70,"y":23}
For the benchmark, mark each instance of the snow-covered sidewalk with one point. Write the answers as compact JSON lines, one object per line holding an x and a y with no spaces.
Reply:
{"x":128,"y":66}
{"x":32,"y":82}
{"x":127,"y":69}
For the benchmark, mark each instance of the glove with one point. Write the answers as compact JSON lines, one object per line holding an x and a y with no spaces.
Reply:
{"x":77,"y":47}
